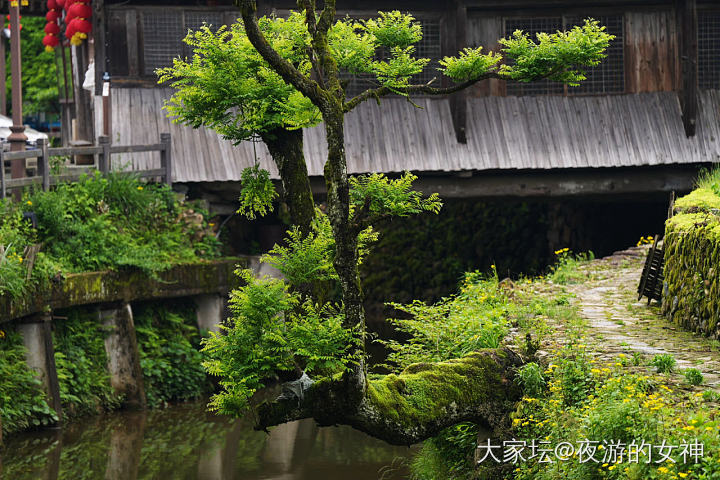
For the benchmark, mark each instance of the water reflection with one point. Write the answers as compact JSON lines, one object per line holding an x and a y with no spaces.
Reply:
{"x":186,"y":442}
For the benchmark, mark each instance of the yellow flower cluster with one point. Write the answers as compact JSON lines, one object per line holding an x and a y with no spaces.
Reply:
{"x":645,"y":240}
{"x":562,"y":251}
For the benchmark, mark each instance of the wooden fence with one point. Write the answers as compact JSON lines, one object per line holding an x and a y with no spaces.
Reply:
{"x":103,"y":150}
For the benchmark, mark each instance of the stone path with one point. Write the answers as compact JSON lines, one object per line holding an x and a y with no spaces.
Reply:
{"x":619,"y":323}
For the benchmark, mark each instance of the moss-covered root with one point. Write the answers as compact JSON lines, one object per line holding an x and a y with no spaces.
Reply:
{"x":415,"y":405}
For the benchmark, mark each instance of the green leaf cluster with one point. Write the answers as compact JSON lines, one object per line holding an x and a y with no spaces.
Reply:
{"x":560,"y":57}
{"x":271,"y":331}
{"x":475,"y":318}
{"x":81,"y":364}
{"x":22,"y":402}
{"x":257,"y":193}
{"x":390,"y":197}
{"x":471,"y":63}
{"x":170,"y":358}
{"x":228,"y":87}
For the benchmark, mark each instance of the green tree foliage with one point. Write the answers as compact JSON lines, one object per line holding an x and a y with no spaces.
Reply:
{"x":227,"y":86}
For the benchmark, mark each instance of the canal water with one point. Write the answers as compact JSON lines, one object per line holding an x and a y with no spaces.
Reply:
{"x":186,"y":442}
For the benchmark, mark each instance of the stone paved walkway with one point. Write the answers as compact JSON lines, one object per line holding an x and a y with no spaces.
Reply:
{"x":619,"y":323}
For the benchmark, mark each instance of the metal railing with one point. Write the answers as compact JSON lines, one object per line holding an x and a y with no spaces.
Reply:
{"x":103,"y":150}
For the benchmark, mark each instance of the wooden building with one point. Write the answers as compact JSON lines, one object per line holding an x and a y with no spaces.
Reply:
{"x":642,"y":122}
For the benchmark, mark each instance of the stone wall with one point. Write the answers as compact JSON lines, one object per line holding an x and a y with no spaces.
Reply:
{"x":692,"y":259}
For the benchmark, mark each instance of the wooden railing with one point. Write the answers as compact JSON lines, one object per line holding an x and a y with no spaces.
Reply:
{"x":103,"y":151}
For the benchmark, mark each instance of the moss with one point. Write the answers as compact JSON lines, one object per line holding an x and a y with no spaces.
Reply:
{"x":692,"y":257}
{"x":702,"y":199}
{"x":418,"y":396}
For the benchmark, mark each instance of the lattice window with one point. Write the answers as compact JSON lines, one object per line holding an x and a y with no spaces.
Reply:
{"x":162,"y":38}
{"x":608,"y":77}
{"x":194,"y":19}
{"x":709,"y":49}
{"x":163,"y":34}
{"x":428,"y":47}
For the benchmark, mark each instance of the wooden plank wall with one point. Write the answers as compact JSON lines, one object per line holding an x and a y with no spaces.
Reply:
{"x":483,"y":30}
{"x":651,"y":51}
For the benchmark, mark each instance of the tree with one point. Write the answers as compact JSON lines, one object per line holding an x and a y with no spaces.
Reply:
{"x":276,"y":329}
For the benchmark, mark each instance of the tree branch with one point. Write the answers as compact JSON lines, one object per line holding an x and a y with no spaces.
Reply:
{"x":285,"y":69}
{"x":417,"y":404}
{"x":425,"y":89}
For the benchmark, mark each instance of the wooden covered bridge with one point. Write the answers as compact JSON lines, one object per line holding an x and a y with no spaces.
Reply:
{"x":644,"y":121}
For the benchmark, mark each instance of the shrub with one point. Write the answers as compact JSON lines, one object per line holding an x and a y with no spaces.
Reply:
{"x":693,"y":376}
{"x":475,"y":318}
{"x":22,"y":402}
{"x":99,"y":222}
{"x":82,"y":364}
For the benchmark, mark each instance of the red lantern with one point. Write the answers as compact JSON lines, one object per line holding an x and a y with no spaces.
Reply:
{"x":52,"y":16}
{"x":77,"y":30}
{"x":50,"y":42}
{"x":78,"y":10}
{"x":52,"y":5}
{"x":52,"y":28}
{"x":60,"y":3}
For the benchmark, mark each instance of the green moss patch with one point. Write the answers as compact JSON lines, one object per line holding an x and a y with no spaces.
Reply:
{"x":418,"y":395}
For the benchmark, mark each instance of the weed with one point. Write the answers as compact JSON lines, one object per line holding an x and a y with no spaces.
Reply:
{"x":531,"y":378}
{"x":664,"y":362}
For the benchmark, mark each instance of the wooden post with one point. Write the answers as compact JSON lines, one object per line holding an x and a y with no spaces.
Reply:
{"x":104,"y":163}
{"x":166,"y":157}
{"x":3,"y":193}
{"x":3,"y":77}
{"x":43,"y":163}
{"x":689,"y":59}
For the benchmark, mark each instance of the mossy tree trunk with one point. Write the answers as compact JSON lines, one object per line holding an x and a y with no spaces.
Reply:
{"x":415,"y":405}
{"x":286,"y":149}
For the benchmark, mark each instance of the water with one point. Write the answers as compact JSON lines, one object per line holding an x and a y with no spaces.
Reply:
{"x":186,"y":442}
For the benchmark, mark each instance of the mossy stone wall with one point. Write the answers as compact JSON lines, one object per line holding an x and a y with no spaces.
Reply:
{"x":691,"y":296}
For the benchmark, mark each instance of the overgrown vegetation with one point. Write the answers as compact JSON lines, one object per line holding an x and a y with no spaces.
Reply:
{"x":81,"y":364}
{"x":620,"y":405}
{"x":170,"y":358}
{"x":565,"y":270}
{"x":23,"y":404}
{"x":100,"y":222}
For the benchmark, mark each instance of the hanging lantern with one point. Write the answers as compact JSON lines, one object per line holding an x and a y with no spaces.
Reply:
{"x":77,"y":30}
{"x":52,"y":28}
{"x":50,"y":42}
{"x":52,"y":5}
{"x":52,"y":16}
{"x":78,"y":10}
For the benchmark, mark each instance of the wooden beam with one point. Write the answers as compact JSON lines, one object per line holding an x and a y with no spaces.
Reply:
{"x":647,"y":181}
{"x":689,"y":58}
